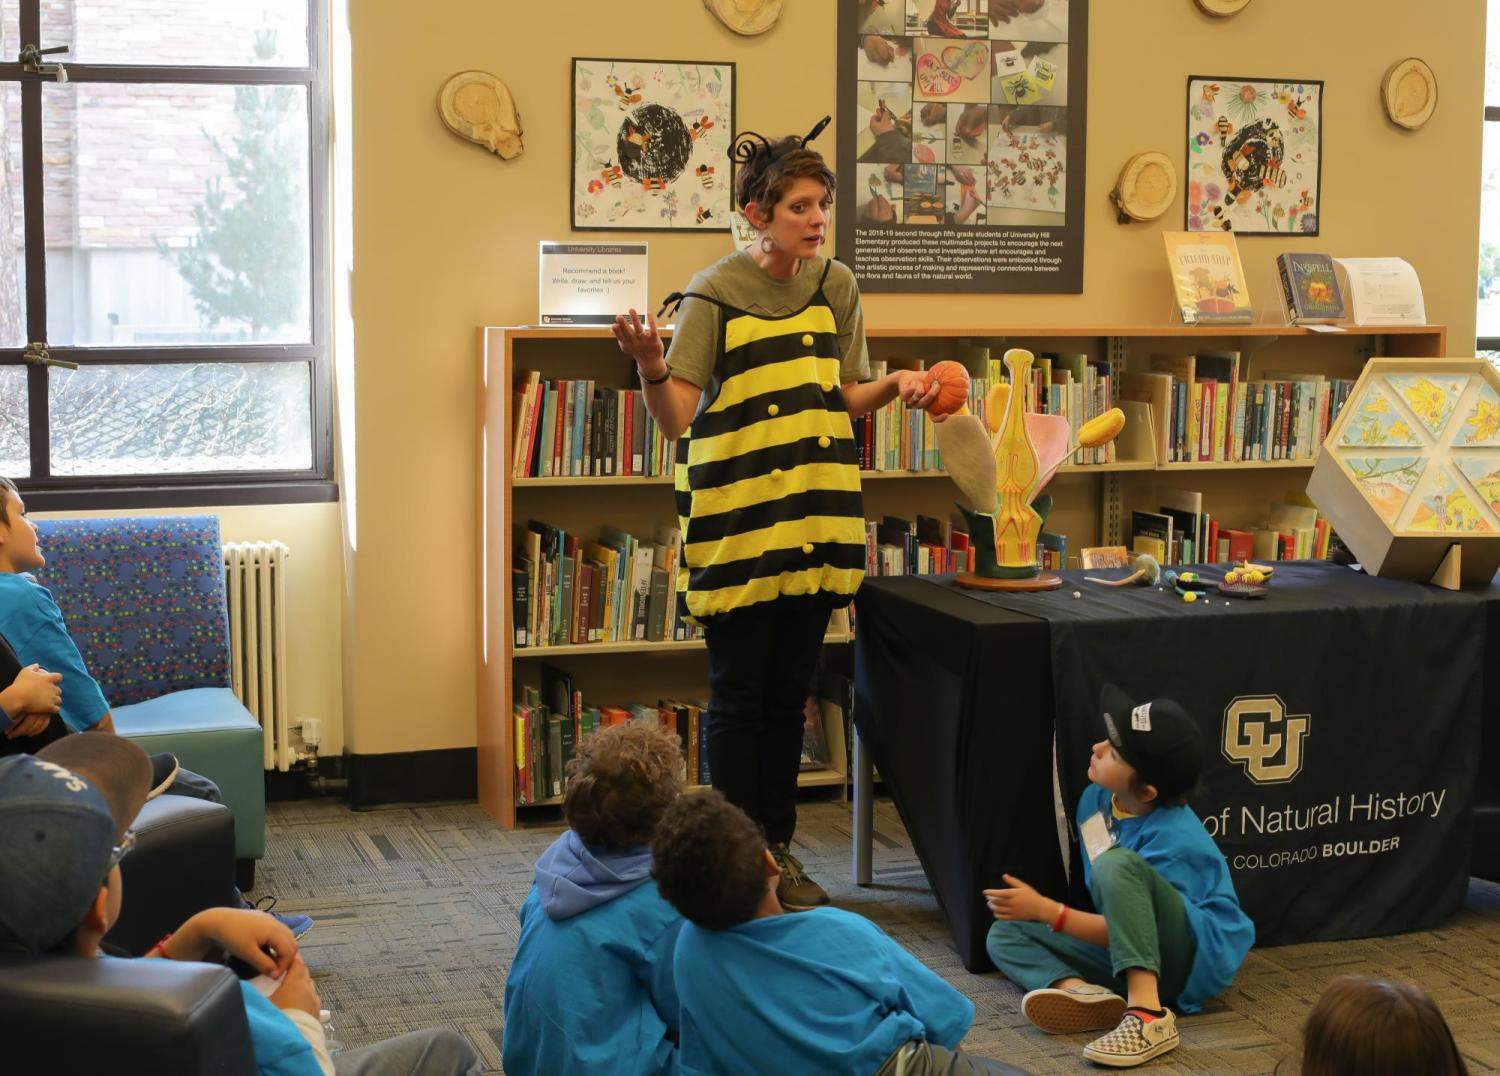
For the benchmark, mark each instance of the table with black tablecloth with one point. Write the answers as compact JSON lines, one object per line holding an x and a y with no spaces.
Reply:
{"x":1342,"y":720}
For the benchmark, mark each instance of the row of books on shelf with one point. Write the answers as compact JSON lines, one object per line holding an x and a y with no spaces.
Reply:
{"x":618,"y":588}
{"x":1203,"y":411}
{"x":566,"y":590}
{"x":898,"y":438}
{"x":579,"y":428}
{"x":553,"y":721}
{"x":570,"y":591}
{"x":1180,"y":532}
{"x":1073,"y":386}
{"x":930,"y":546}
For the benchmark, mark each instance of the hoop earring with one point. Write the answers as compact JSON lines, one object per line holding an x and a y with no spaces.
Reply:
{"x":767,"y":245}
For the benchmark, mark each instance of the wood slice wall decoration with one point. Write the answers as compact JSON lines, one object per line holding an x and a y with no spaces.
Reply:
{"x":748,"y":17}
{"x":477,"y":106}
{"x":1146,"y":188}
{"x":1409,"y":92}
{"x":1221,"y":7}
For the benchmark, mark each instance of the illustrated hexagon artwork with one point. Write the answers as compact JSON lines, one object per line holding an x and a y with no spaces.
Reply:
{"x":1411,"y":467}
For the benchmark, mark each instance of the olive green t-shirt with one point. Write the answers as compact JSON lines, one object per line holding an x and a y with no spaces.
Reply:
{"x":741,"y":283}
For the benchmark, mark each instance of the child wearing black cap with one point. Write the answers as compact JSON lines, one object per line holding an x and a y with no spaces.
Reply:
{"x":1170,"y":928}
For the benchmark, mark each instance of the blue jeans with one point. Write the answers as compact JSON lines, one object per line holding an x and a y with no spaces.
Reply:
{"x":432,"y":1051}
{"x":194,"y":786}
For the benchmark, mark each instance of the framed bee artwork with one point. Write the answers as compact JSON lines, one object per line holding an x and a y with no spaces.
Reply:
{"x":1254,"y":155}
{"x":651,"y":145}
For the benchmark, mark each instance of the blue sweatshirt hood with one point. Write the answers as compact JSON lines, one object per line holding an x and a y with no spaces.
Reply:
{"x":572,"y":879}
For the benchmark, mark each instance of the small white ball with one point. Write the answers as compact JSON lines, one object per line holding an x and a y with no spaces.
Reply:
{"x":1077,"y":593}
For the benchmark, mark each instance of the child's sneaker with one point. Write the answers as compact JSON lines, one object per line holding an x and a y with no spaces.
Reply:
{"x":1138,"y":1039}
{"x":796,"y":891}
{"x":297,"y":924}
{"x":1064,"y":1010}
{"x":163,"y":772}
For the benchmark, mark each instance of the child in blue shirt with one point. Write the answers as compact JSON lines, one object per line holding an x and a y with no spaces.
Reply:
{"x":33,"y":625}
{"x":1170,"y":928}
{"x":64,"y":827}
{"x":591,"y":988}
{"x":762,"y":990}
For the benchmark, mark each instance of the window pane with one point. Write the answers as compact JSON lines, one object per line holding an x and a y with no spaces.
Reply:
{"x":217,"y":32}
{"x":12,"y":223}
{"x":1488,"y":320}
{"x":15,"y":436}
{"x":176,"y":214}
{"x":1492,"y":55}
{"x":170,"y":419}
{"x":10,"y":28}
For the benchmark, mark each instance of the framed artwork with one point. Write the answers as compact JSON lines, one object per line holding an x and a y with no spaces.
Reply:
{"x":967,"y":121}
{"x":650,"y":145}
{"x":1254,"y":155}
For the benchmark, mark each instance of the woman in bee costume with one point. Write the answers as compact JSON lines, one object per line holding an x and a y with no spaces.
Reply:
{"x":766,"y":370}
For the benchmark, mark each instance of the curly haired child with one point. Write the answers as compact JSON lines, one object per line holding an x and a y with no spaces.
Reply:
{"x":591,"y":987}
{"x":826,"y":991}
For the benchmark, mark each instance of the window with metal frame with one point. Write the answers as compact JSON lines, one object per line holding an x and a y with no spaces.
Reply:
{"x":164,"y":332}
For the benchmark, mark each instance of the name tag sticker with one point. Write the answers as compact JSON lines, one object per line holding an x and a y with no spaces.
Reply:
{"x":1140,"y":718}
{"x":1096,"y":836}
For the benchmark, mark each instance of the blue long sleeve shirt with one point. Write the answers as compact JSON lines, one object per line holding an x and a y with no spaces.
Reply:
{"x":33,"y":625}
{"x":591,"y":987}
{"x":822,"y":991}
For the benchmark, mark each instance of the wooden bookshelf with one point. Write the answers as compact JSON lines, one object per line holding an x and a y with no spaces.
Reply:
{"x":1091,"y":500}
{"x":1234,"y":465}
{"x":833,"y":638}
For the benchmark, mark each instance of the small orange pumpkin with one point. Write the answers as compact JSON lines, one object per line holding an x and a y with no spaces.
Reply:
{"x":953,"y":387}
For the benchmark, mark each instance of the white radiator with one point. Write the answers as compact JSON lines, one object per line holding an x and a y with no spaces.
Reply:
{"x":255,"y":579}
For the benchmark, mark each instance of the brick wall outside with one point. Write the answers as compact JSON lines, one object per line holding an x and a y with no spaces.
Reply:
{"x":126,"y":164}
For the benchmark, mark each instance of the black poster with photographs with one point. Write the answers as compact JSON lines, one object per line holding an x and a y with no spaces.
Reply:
{"x":961,"y":144}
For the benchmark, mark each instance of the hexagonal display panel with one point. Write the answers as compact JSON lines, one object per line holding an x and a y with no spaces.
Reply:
{"x":1412,"y":465}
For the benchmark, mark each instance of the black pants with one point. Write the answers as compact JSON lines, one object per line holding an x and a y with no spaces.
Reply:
{"x":761,"y":661}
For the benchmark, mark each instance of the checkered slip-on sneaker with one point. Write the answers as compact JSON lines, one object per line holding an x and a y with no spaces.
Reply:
{"x":1134,"y":1042}
{"x":1062,"y":1011}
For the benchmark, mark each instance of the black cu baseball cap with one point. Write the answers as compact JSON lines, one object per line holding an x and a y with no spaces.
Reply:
{"x":1157,"y":738}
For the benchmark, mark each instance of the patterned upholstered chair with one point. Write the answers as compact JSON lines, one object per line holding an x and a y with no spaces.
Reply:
{"x":144,"y":600}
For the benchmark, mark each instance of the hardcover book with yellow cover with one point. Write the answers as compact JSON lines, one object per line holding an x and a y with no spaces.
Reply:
{"x":1210,"y":282}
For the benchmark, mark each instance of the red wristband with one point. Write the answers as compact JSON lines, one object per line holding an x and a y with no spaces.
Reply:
{"x":161,"y":946}
{"x":1062,"y":918}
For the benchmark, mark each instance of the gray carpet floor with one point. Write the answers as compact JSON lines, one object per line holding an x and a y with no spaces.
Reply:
{"x":416,"y":925}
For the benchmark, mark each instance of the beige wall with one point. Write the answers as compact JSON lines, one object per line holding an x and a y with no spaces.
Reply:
{"x":445,"y":239}
{"x":311,"y":531}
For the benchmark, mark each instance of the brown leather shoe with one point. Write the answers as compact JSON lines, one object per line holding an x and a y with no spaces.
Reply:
{"x":796,"y":891}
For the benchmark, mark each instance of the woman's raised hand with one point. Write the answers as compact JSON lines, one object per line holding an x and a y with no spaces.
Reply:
{"x":638,"y":337}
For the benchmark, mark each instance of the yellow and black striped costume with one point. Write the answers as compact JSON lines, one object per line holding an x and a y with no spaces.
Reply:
{"x":767,"y":475}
